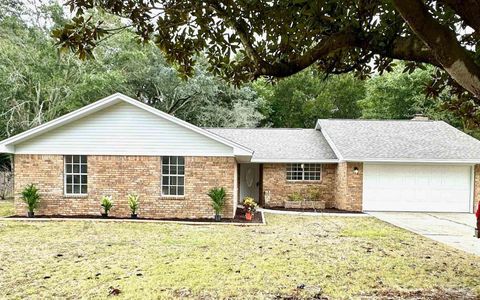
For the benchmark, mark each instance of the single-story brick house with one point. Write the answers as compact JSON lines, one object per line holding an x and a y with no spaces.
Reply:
{"x":119,"y":145}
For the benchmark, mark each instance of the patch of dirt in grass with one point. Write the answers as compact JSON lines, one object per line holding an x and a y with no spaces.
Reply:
{"x":426,"y":294}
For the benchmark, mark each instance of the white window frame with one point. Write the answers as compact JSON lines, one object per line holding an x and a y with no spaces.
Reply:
{"x":171,"y":175}
{"x":302,"y":168}
{"x":81,"y":163}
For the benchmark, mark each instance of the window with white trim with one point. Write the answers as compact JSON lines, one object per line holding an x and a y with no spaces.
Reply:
{"x":173,"y":175}
{"x":76,"y":178}
{"x":304,"y":172}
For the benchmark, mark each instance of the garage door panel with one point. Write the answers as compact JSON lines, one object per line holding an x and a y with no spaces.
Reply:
{"x":391,"y":187}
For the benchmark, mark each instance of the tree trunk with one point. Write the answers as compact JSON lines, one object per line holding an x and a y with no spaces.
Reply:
{"x":453,"y":58}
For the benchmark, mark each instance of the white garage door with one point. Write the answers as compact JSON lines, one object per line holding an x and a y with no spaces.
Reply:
{"x":436,"y":188}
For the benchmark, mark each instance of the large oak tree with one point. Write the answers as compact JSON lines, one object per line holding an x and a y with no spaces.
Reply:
{"x":246,"y":39}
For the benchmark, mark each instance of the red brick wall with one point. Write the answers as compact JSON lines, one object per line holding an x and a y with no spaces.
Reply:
{"x":349,"y":186}
{"x":341,"y":185}
{"x":119,"y":175}
{"x":275,"y":182}
{"x":476,"y":188}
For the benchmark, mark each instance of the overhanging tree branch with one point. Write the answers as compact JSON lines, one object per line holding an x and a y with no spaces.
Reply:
{"x":325,"y":47}
{"x":335,"y":36}
{"x":455,"y":59}
{"x":241,"y":28}
{"x":404,"y":48}
{"x":468,"y":10}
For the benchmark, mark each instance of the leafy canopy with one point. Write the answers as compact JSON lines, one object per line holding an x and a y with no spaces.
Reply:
{"x":298,"y":101}
{"x":37,"y":85}
{"x":245,"y":39}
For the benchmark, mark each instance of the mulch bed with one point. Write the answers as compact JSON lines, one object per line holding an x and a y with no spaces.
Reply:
{"x":326,"y":210}
{"x":239,"y":218}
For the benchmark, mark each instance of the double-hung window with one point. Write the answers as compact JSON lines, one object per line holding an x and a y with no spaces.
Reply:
{"x":76,"y":178}
{"x":304,"y":172}
{"x":173,"y":176}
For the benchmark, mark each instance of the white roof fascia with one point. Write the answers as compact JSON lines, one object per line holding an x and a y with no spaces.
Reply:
{"x":329,"y":141}
{"x":290,"y":160}
{"x":415,"y":161}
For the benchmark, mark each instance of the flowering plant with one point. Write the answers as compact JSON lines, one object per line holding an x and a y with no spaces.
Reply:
{"x":249,"y":204}
{"x":477,"y":214}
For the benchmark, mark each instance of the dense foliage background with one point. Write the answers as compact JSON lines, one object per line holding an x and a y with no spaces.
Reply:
{"x":37,"y":84}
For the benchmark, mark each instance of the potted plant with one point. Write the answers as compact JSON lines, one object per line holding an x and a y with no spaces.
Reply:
{"x":218,"y":201}
{"x":250,"y":206}
{"x":31,"y":197}
{"x":477,"y":214}
{"x":107,"y":204}
{"x":133,"y":203}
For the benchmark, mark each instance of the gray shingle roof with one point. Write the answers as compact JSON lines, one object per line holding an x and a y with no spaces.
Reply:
{"x":280,"y":145}
{"x":399,"y":140}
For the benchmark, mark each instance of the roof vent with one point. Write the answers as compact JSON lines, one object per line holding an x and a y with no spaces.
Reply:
{"x":419,"y":117}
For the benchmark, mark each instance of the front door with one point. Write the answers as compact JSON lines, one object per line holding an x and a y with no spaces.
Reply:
{"x":250,"y":181}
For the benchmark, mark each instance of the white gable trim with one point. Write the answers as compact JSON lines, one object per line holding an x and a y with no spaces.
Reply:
{"x":8,"y":145}
{"x":329,"y":141}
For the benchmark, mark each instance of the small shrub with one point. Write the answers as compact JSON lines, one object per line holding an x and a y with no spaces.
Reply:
{"x":218,"y":196}
{"x":133,"y":203}
{"x":31,"y":197}
{"x":295,"y":196}
{"x":313,"y":194}
{"x":106,"y":203}
{"x":249,"y":204}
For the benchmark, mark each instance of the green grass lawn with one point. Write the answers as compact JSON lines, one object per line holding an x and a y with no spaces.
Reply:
{"x":6,"y":208}
{"x":304,"y":257}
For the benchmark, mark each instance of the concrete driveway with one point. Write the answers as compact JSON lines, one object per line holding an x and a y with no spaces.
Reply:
{"x":453,"y":229}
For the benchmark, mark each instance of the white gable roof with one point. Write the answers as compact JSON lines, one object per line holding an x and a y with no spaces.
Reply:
{"x":120,"y":125}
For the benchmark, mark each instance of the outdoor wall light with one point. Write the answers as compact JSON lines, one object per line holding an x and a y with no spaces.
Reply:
{"x":355,"y":170}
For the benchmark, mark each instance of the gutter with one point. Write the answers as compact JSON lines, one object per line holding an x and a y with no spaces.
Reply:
{"x":414,"y":161}
{"x":290,"y":160}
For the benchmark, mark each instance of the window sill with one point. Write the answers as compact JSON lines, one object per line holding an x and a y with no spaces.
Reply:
{"x":304,"y":181}
{"x":75,"y":195}
{"x":172,"y":197}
